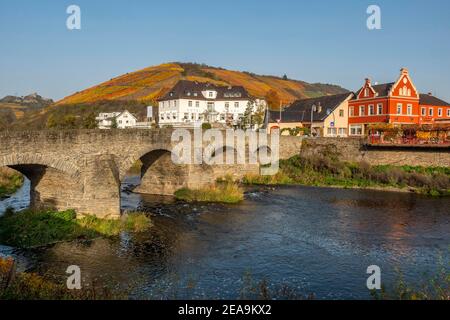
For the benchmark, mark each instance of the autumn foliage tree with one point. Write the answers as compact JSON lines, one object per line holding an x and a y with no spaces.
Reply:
{"x":273,"y":100}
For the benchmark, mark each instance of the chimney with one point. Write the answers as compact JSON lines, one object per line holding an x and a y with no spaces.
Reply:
{"x":404,"y":71}
{"x":367,"y":81}
{"x":430,"y":93}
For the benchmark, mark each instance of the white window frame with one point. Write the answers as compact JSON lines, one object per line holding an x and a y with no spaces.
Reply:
{"x":440,"y":112}
{"x":409,"y":109}
{"x":423,"y":111}
{"x":399,"y":105}
{"x":363,"y":109}
{"x":354,"y":130}
{"x":371,"y":110}
{"x":352,"y":111}
{"x":379,"y":108}
{"x":430,"y":112}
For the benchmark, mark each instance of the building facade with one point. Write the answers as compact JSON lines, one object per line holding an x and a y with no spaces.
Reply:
{"x":122,"y":120}
{"x":191,"y":103}
{"x":397,"y":103}
{"x":326,"y":116}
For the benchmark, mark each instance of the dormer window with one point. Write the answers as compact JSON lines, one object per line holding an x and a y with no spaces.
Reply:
{"x":210,"y":94}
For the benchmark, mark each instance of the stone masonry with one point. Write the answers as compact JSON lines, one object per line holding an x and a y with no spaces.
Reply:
{"x":83,"y":169}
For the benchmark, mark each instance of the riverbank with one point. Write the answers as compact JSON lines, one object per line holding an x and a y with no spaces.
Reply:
{"x":10,"y":182}
{"x":327,"y":171}
{"x":28,"y":228}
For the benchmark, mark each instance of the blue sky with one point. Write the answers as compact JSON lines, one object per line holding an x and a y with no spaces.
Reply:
{"x":315,"y":41}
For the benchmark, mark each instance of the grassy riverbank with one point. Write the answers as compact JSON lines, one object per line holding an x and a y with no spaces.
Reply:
{"x":327,"y":170}
{"x":29,"y":228}
{"x":222,"y":192}
{"x":10,"y":181}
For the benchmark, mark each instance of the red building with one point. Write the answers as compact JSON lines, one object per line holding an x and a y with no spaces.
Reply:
{"x":397,"y":103}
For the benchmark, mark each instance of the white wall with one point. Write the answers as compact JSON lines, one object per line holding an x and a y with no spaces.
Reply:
{"x":195,"y":108}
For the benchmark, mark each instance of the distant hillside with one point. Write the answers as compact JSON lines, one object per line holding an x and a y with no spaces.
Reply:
{"x":33,"y":100}
{"x":148,"y":84}
{"x":133,"y":91}
{"x":14,"y":108}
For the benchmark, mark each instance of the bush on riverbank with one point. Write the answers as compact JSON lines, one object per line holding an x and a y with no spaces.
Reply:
{"x":30,"y":286}
{"x":435,"y":287}
{"x":10,"y":181}
{"x":29,"y":228}
{"x":327,"y":170}
{"x":222,"y":192}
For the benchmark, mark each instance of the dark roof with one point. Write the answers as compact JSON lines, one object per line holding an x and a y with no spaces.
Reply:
{"x":429,"y":100}
{"x":381,"y":89}
{"x":185,"y":89}
{"x":300,"y":110}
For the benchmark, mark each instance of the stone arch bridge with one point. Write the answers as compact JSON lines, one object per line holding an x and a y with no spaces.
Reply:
{"x":83,"y":169}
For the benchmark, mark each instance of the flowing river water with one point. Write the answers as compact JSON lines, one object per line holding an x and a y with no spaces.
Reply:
{"x":316,"y":241}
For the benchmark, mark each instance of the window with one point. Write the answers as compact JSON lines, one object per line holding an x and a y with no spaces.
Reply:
{"x":192,"y":116}
{"x":227,"y":106}
{"x":361,"y":110}
{"x":341,"y":113}
{"x":448,"y":112}
{"x":430,"y":112}
{"x":211,"y":106}
{"x":174,"y":116}
{"x":236,"y":104}
{"x":210,"y":94}
{"x":424,"y":111}
{"x":332,"y":131}
{"x":355,"y":130}
{"x":440,"y":112}
{"x":197,"y":104}
{"x":222,"y":116}
{"x":366,"y":92}
{"x":399,"y":108}
{"x":380,"y":108}
{"x":162,"y":117}
{"x":342,"y":131}
{"x":352,"y":111}
{"x":371,"y":110}
{"x":190,"y":103}
{"x":409,"y":110}
{"x":186,"y":116}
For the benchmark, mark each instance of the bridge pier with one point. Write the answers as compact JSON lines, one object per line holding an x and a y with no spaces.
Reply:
{"x":101,"y":188}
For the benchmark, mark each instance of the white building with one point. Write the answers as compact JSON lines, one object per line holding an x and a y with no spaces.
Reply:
{"x":193,"y":103}
{"x":123,"y":120}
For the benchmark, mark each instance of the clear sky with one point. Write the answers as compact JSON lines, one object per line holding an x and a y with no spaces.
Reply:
{"x":316,"y":41}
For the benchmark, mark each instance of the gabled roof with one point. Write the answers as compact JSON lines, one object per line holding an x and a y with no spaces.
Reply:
{"x":382,"y":89}
{"x":300,"y":110}
{"x":185,"y":89}
{"x":429,"y":100}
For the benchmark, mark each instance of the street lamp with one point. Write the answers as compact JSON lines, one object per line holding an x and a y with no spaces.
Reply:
{"x":314,"y":108}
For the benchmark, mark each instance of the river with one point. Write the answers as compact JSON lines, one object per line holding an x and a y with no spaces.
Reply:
{"x":316,"y":241}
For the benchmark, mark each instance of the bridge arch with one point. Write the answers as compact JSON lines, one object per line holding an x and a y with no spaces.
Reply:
{"x":260,"y":153}
{"x":53,"y":182}
{"x":29,"y":159}
{"x":159,"y":174}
